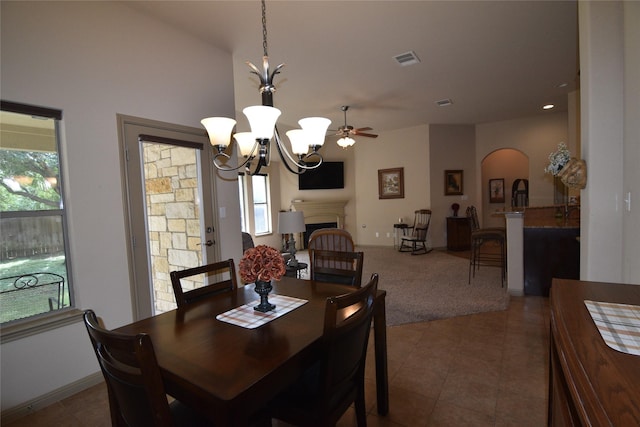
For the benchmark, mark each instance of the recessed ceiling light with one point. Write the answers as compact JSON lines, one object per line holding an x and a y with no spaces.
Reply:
{"x":548,"y":107}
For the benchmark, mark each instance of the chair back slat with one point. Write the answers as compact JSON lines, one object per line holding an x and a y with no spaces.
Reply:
{"x":331,"y":239}
{"x":327,"y":388}
{"x":472,"y":214}
{"x":224,"y":272}
{"x":134,"y":383}
{"x":346,"y":335}
{"x":337,"y":266}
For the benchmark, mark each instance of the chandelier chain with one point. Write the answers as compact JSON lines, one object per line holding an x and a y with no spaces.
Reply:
{"x":264,"y":28}
{"x":261,"y":146}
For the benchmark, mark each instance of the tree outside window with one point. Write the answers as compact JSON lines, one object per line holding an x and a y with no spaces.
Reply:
{"x":34,"y":273}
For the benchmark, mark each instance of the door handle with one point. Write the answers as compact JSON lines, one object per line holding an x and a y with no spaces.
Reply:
{"x":208,"y":243}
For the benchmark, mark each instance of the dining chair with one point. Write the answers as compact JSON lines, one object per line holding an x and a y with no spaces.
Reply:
{"x":224,"y":270}
{"x":328,"y":387}
{"x":136,"y":392}
{"x":482,"y":254}
{"x":416,"y":241}
{"x":331,"y":239}
{"x":247,"y":242}
{"x":336,"y":266}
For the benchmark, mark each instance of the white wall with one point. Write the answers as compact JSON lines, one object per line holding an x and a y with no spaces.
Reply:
{"x":408,"y":148}
{"x":536,"y":137}
{"x":94,"y":60}
{"x":603,"y":115}
{"x":507,"y":164}
{"x":631,"y":218}
{"x":452,"y":148}
{"x":332,"y":152}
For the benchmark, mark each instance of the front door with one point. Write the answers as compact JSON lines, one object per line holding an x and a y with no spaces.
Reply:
{"x":169,"y":190}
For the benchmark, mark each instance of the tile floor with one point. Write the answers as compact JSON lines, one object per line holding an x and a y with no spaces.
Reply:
{"x":487,"y":369}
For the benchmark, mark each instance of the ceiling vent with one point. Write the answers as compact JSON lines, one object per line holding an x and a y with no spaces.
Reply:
{"x":407,"y":58}
{"x":444,"y":102}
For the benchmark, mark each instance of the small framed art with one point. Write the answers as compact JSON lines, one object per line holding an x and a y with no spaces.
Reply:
{"x":391,"y":183}
{"x":496,"y":190}
{"x":453,"y":182}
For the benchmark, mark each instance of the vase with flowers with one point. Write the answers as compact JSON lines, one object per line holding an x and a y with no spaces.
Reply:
{"x":261,"y":265}
{"x":571,"y":171}
{"x":455,"y":208}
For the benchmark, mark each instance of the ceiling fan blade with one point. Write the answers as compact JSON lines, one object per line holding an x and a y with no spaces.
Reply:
{"x":368,"y":135}
{"x":359,"y":129}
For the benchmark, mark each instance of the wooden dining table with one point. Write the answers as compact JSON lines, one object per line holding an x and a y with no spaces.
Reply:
{"x":229,"y":372}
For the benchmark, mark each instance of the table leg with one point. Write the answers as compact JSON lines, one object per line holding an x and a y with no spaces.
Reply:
{"x":380,"y":352}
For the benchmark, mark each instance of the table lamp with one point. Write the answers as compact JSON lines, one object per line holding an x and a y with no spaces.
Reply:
{"x":291,"y":222}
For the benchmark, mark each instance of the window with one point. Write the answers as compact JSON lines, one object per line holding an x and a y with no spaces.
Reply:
{"x":254,"y":194}
{"x":260,"y":186}
{"x":34,"y":262}
{"x":241,"y":191}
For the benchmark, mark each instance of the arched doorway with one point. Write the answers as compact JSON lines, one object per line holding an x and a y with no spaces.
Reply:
{"x":505,"y":164}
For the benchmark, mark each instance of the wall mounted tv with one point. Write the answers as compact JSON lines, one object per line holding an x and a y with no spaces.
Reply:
{"x":328,"y":175}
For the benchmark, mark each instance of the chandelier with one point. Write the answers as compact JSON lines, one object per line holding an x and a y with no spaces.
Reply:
{"x":254,"y":146}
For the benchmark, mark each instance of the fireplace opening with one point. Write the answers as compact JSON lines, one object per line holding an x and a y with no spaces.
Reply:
{"x":310,"y":228}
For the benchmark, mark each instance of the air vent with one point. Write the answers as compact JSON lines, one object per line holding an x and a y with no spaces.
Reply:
{"x":444,"y":102}
{"x":407,"y":58}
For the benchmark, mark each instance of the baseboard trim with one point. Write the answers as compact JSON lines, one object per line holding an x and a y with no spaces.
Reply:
{"x":50,"y":398}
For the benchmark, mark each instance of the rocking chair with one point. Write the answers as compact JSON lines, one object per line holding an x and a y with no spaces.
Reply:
{"x":416,"y":242}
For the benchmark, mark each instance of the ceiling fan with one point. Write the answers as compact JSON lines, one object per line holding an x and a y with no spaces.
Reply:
{"x":345,"y":132}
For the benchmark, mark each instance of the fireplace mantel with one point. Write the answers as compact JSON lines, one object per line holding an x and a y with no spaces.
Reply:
{"x":320,"y":211}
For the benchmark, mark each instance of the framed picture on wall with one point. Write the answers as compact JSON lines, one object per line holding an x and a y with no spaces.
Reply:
{"x":391,"y":183}
{"x":496,"y":190}
{"x":453,"y":182}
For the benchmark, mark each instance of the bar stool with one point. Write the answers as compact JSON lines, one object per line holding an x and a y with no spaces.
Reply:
{"x":479,"y":254}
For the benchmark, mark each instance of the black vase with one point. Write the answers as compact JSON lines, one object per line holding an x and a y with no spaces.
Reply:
{"x":263,"y":288}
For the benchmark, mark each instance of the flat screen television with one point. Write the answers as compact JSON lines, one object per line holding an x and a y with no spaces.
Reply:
{"x":328,"y":175}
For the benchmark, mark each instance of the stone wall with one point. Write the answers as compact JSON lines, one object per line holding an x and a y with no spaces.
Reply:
{"x":173,"y":212}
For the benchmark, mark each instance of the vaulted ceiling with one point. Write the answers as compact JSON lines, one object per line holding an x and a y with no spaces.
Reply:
{"x":495,"y":60}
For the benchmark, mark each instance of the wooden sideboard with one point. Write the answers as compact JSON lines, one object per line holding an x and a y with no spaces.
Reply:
{"x":458,"y":233}
{"x":590,"y":383}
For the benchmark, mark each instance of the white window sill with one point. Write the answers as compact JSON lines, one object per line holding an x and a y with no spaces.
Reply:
{"x":16,"y":331}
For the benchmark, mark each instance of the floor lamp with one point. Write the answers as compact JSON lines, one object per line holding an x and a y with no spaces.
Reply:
{"x":291,"y":222}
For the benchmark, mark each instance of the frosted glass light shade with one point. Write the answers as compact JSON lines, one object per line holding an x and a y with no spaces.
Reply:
{"x":346,"y":142}
{"x":299,"y":141}
{"x":246,"y":141}
{"x":219,"y":129}
{"x":317,"y":128}
{"x":290,"y":222}
{"x":262,"y":120}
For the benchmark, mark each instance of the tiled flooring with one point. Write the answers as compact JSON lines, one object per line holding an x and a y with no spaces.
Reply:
{"x":486,"y":369}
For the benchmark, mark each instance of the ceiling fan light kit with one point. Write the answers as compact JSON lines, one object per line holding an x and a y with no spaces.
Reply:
{"x":346,"y":142}
{"x":345,"y":132}
{"x":305,"y":142}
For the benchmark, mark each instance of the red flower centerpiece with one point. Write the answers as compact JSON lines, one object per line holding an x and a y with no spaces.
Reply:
{"x":261,"y":265}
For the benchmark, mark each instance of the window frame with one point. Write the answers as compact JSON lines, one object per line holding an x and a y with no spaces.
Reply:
{"x":247,"y":203}
{"x":266,"y":204}
{"x":242,"y":194}
{"x":20,"y":328}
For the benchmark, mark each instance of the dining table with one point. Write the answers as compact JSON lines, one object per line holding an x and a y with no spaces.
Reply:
{"x":229,"y":371}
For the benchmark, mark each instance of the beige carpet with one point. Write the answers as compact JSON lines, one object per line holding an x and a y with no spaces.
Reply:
{"x":431,"y":286}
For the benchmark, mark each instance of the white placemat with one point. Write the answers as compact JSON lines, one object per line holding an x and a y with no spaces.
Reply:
{"x":246,"y":317}
{"x":619,"y":325}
